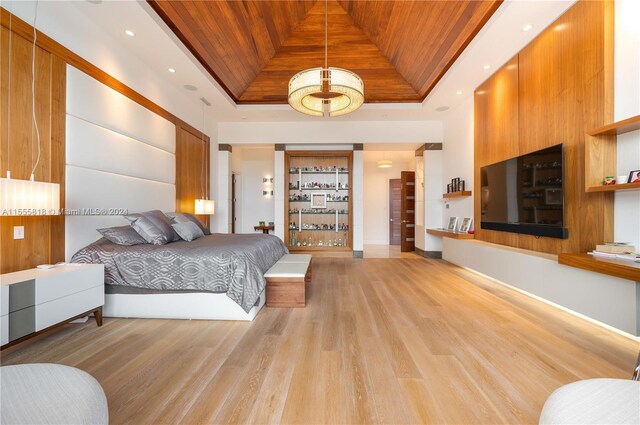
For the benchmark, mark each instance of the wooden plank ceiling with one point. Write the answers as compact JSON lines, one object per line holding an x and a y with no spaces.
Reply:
{"x":252,"y":48}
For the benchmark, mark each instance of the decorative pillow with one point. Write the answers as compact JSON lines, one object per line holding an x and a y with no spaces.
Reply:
{"x":122,"y":235}
{"x":188,"y":230}
{"x":177,"y":217}
{"x":153,"y":226}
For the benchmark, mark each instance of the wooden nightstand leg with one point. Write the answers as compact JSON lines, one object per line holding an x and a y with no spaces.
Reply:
{"x":98,"y":315}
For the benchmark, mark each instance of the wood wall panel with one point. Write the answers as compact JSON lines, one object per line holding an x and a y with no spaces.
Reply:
{"x":44,"y":236}
{"x":191,"y":179}
{"x":563,"y":90}
{"x":496,"y":133}
{"x":20,"y":134}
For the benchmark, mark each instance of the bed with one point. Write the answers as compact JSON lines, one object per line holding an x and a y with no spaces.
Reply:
{"x":219,"y":276}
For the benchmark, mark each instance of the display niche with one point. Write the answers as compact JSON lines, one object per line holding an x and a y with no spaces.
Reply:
{"x":318,"y":205}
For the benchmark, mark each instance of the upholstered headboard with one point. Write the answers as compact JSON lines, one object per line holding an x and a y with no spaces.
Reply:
{"x":119,"y":156}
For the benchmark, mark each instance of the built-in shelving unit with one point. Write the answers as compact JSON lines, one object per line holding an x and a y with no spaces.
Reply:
{"x":624,"y":269}
{"x":600,"y":154}
{"x":449,"y":234}
{"x":457,"y":194}
{"x":325,"y":227}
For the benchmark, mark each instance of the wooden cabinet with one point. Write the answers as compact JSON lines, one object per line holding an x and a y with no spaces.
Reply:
{"x":318,"y":204}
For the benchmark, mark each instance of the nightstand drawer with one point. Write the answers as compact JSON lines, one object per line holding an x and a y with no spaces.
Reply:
{"x":60,"y":285}
{"x":61,"y":309}
{"x":21,"y":323}
{"x":22,"y":295}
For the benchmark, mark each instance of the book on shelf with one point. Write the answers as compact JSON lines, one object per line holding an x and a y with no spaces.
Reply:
{"x":633,"y":256}
{"x":615,"y":248}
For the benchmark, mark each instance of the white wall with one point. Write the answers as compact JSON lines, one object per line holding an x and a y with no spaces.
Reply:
{"x":251,"y":165}
{"x":457,"y":151}
{"x":325,"y":131}
{"x":627,"y":104}
{"x":376,"y":192}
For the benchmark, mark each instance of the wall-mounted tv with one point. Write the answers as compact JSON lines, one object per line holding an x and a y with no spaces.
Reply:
{"x":525,"y":194}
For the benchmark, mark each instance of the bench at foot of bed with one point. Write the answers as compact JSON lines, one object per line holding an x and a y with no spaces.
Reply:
{"x":286,"y":281}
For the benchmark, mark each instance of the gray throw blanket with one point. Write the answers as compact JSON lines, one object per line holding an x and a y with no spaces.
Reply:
{"x":234,"y":264}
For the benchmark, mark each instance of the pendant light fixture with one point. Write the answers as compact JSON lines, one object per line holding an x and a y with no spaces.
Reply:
{"x":328,"y":90}
{"x":26,"y":197}
{"x":384,"y":162}
{"x":204,"y":205}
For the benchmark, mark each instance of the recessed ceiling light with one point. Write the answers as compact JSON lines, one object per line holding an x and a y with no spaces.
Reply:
{"x":171,"y":70}
{"x":486,"y":67}
{"x":130,"y":33}
{"x":94,"y":1}
{"x":527,"y":27}
{"x":190,"y":87}
{"x":459,"y":92}
{"x":442,"y":108}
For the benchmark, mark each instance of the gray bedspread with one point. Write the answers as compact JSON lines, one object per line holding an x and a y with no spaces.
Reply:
{"x":234,"y":264}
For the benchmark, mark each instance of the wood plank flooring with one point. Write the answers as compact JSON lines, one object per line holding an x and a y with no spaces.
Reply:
{"x":380,"y":341}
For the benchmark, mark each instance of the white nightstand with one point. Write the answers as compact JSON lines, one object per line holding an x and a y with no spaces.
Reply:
{"x":35,"y":300}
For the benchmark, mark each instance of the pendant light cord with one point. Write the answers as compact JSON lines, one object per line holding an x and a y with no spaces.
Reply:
{"x":33,"y":92}
{"x":203,"y":151}
{"x":9,"y":96}
{"x":326,"y":33}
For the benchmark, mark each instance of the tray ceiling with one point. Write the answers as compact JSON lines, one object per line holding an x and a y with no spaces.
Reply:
{"x":400,"y":49}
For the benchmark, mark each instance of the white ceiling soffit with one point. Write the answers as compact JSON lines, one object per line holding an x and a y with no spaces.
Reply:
{"x":158,"y":49}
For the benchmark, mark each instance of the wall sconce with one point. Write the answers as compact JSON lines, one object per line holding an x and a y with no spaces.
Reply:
{"x":267,"y":189}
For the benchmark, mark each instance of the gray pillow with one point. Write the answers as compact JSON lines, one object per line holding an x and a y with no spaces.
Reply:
{"x":188,"y":231}
{"x":122,"y":235}
{"x":177,"y":217}
{"x":153,"y":226}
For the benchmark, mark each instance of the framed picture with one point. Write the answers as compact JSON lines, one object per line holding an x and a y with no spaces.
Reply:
{"x":634,"y":177}
{"x":318,"y":200}
{"x":465,"y":226}
{"x":453,"y":222}
{"x":553,"y":196}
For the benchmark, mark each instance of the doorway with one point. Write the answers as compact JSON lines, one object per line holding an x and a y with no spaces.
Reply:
{"x":395,"y":211}
{"x":407,"y":211}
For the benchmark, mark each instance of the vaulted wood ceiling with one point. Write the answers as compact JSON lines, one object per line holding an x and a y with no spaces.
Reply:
{"x":400,"y":49}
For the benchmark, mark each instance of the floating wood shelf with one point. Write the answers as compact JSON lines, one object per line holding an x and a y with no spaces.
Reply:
{"x":623,"y":269}
{"x":457,"y":194}
{"x":617,"y":128}
{"x":613,"y":187}
{"x":450,"y":234}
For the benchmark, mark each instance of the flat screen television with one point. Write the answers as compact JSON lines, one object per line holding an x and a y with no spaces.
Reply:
{"x":525,"y":194}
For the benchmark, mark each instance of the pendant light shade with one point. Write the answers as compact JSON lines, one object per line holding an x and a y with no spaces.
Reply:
{"x":326,"y":90}
{"x":205,"y":207}
{"x":385,"y":163}
{"x":340,"y":90}
{"x":28,"y":197}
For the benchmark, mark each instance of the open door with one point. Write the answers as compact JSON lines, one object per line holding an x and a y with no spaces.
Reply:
{"x":395,"y":208}
{"x":407,"y":211}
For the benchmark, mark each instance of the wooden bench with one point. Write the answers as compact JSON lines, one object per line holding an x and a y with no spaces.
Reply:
{"x":286,"y":281}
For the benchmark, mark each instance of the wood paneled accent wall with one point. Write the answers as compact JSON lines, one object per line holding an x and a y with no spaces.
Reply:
{"x":191,"y":178}
{"x":553,"y":91}
{"x":44,"y":240}
{"x":18,"y":147}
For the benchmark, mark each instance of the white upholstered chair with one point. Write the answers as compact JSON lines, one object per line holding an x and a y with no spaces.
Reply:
{"x":50,"y":394}
{"x":595,"y":401}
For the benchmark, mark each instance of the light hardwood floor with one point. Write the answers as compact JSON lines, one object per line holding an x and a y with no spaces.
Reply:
{"x":381,"y":340}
